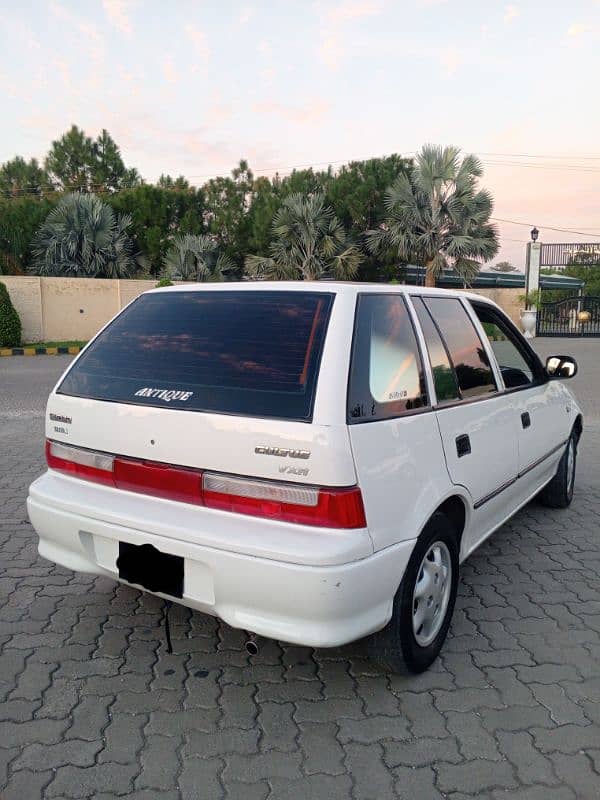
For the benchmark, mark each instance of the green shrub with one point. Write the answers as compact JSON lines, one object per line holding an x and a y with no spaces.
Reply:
{"x":164,"y":282}
{"x":10,"y":324}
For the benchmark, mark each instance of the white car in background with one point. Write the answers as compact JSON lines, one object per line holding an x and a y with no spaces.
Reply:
{"x":307,"y":461}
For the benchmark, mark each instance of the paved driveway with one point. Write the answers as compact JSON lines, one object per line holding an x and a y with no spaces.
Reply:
{"x":91,"y":705}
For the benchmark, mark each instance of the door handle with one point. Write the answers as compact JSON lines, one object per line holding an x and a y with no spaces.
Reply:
{"x":463,"y":445}
{"x":525,"y":419}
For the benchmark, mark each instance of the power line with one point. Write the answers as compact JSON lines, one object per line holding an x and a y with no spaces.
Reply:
{"x":595,"y":157}
{"x":99,"y":189}
{"x":553,"y":167}
{"x":572,"y":167}
{"x":546,"y":227}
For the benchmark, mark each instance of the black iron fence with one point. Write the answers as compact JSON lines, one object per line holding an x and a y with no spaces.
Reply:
{"x":564,"y":254}
{"x":576,"y":316}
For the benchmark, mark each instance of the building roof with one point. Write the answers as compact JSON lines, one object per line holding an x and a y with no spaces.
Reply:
{"x":491,"y":280}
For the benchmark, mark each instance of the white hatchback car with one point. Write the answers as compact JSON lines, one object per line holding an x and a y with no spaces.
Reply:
{"x":307,"y":461}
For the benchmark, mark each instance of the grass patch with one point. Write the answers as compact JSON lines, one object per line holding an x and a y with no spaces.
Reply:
{"x":55,"y":344}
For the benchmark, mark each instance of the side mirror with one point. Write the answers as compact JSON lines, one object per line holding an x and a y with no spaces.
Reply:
{"x":561,"y":366}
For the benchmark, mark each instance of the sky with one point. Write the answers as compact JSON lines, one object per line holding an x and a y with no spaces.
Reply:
{"x":191,"y":87}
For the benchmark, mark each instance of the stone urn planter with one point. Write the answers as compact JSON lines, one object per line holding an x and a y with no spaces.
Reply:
{"x":528,"y":322}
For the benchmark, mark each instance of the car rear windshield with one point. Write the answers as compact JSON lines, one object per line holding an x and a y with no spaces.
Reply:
{"x":254,"y":353}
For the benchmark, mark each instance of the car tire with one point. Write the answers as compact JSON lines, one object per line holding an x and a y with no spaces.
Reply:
{"x":559,"y":492}
{"x":405,"y":645}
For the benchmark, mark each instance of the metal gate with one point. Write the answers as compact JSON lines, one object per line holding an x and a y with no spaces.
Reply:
{"x":576,"y":316}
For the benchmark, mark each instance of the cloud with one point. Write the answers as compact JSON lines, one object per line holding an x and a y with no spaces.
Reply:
{"x":23,"y":32}
{"x":218,"y":113}
{"x":87,"y":36}
{"x":353,"y":9}
{"x":169,"y":72}
{"x":264,"y":48}
{"x":577,"y":29}
{"x":451,"y":59}
{"x":117,"y":13}
{"x":63,"y":69}
{"x":511,"y":12}
{"x":246,"y":15}
{"x":312,"y":111}
{"x":7,"y":86}
{"x":199,"y":41}
{"x":331,"y":52}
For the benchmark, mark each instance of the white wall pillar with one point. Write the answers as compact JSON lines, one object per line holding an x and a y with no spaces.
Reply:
{"x":532,"y":270}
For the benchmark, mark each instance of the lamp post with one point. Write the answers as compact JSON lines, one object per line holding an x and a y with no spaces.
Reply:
{"x":534,"y":234}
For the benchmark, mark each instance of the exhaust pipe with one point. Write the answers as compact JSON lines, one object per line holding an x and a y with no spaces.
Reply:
{"x":252,"y":647}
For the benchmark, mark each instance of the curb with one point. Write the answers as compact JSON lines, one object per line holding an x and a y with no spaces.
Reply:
{"x":39,"y":351}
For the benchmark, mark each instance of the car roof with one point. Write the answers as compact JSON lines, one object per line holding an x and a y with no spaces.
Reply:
{"x":336,"y":287}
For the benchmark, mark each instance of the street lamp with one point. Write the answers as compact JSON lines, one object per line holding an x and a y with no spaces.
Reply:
{"x":534,"y":234}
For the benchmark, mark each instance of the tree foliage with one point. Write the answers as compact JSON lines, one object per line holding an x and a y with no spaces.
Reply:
{"x":504,"y":266}
{"x":309,"y":243}
{"x":179,"y":184}
{"x":390,"y":210}
{"x":156,"y":214}
{"x":10,"y":324}
{"x":76,"y":162}
{"x":226,"y":215}
{"x":589,"y":273}
{"x":437,"y":217}
{"x":19,"y":177}
{"x":83,"y":238}
{"x":197,"y":258}
{"x":19,"y":220}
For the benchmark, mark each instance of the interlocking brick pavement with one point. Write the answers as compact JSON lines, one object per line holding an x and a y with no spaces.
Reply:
{"x":92,"y":706}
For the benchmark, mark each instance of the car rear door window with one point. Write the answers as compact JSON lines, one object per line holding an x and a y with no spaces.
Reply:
{"x":253,"y":353}
{"x":444,"y":376}
{"x":465,"y":348}
{"x":386,"y":373}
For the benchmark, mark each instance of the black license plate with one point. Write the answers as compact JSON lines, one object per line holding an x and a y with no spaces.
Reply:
{"x":156,"y":571}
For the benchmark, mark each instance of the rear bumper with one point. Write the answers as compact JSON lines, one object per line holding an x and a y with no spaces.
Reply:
{"x":318,"y":606}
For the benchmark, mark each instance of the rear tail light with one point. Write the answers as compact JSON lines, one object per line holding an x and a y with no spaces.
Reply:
{"x":97,"y":467}
{"x":305,"y":505}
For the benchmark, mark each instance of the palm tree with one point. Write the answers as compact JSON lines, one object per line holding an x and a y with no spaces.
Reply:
{"x":196,"y":258}
{"x":83,"y":237}
{"x":437,"y":216}
{"x":309,"y":243}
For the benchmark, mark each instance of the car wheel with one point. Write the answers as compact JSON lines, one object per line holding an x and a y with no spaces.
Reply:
{"x":424,"y":602}
{"x":559,"y":492}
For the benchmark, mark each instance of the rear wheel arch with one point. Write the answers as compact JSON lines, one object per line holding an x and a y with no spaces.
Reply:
{"x":455,"y":509}
{"x":578,"y":427}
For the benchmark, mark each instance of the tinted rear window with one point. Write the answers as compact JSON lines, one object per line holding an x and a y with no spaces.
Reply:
{"x":253,"y":353}
{"x":471,"y":364}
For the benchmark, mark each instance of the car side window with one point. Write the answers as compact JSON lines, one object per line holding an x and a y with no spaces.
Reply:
{"x":466,"y":350}
{"x":516,"y":365}
{"x":386,"y":372}
{"x":444,"y":376}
